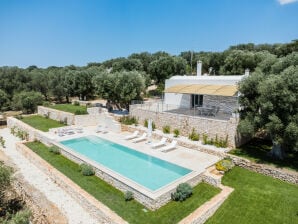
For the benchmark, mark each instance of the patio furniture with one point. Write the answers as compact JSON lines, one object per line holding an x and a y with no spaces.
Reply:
{"x":169,"y":147}
{"x":160,"y":143}
{"x":131,"y":136}
{"x":142,"y":138}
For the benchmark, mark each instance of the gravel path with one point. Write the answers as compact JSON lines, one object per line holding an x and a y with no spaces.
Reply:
{"x":68,"y":206}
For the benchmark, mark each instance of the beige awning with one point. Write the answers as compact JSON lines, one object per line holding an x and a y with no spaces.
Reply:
{"x":218,"y":90}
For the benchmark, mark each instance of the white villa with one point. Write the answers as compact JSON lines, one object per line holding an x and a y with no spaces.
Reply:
{"x":204,"y":92}
{"x":208,"y":104}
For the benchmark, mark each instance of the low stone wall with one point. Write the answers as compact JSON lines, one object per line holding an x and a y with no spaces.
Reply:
{"x":56,"y":115}
{"x":149,"y":202}
{"x":43,"y":211}
{"x":180,"y":141}
{"x":98,"y":210}
{"x":205,"y":211}
{"x":33,"y":134}
{"x":185,"y":124}
{"x":284,"y":175}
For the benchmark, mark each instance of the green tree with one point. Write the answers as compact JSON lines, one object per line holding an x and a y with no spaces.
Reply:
{"x":27,"y":101}
{"x":4,"y":100}
{"x":120,"y":87}
{"x":271,"y":104}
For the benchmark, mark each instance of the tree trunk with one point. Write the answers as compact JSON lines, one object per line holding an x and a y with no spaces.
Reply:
{"x":276,"y":151}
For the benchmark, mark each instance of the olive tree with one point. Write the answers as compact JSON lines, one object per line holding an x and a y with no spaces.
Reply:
{"x":27,"y":101}
{"x":119,"y":87}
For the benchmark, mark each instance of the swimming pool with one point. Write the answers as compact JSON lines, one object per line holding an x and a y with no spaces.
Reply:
{"x":148,"y":171}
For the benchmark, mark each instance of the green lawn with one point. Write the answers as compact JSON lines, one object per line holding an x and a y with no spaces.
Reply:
{"x":70,"y":108}
{"x":113,"y":198}
{"x":41,"y":123}
{"x":257,"y":199}
{"x":256,"y":151}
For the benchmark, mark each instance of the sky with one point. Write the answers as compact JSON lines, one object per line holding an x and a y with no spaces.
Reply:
{"x":64,"y":32}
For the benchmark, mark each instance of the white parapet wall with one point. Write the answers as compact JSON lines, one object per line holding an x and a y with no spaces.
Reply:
{"x":96,"y":116}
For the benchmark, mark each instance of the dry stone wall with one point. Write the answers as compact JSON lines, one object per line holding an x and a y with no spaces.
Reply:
{"x":185,"y":124}
{"x":284,"y":175}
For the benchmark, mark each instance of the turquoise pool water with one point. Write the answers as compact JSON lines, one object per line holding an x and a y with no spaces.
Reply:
{"x":148,"y":171}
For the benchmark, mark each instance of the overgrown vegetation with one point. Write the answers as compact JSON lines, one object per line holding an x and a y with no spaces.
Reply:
{"x":128,"y":120}
{"x":2,"y":142}
{"x":218,"y":142}
{"x":128,"y":196}
{"x":131,"y":211}
{"x":183,"y":191}
{"x":12,"y":208}
{"x":166,"y":129}
{"x":194,"y":136}
{"x":86,"y":169}
{"x":225,"y":165}
{"x":176,"y":133}
{"x":55,"y":150}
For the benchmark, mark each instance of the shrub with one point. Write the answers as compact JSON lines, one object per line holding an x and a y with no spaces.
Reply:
{"x":146,"y":124}
{"x":166,"y":129}
{"x":55,"y":150}
{"x":205,"y":139}
{"x":183,"y":191}
{"x":21,"y":217}
{"x":2,"y":142}
{"x":80,"y":112}
{"x":128,"y":120}
{"x":128,"y":196}
{"x":194,"y":136}
{"x":86,"y":169}
{"x":5,"y":177}
{"x":224,"y":165}
{"x":176,"y":133}
{"x":19,"y":117}
{"x":46,"y":104}
{"x":76,"y":103}
{"x":13,"y":130}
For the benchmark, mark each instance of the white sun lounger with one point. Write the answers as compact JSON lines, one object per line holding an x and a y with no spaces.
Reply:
{"x":160,"y":143}
{"x":131,"y":136}
{"x":169,"y":147}
{"x":102,"y":129}
{"x":142,"y":138}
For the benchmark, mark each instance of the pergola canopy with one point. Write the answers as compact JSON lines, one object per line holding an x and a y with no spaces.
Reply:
{"x":200,"y":89}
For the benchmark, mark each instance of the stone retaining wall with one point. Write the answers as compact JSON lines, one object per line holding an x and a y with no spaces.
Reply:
{"x":33,"y":134}
{"x":147,"y":201}
{"x":284,"y":175}
{"x":98,"y":210}
{"x":185,"y":124}
{"x":56,"y":115}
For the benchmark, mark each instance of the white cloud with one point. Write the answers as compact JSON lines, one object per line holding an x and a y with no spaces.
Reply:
{"x":284,"y":2}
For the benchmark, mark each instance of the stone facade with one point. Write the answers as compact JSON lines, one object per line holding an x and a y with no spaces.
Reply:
{"x":185,"y":124}
{"x":98,"y":210}
{"x":227,"y":104}
{"x":284,"y":175}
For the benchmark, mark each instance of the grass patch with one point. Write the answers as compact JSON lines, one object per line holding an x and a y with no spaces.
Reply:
{"x":257,"y":199}
{"x":74,"y":109}
{"x":256,"y":151}
{"x":131,"y":211}
{"x":41,"y":123}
